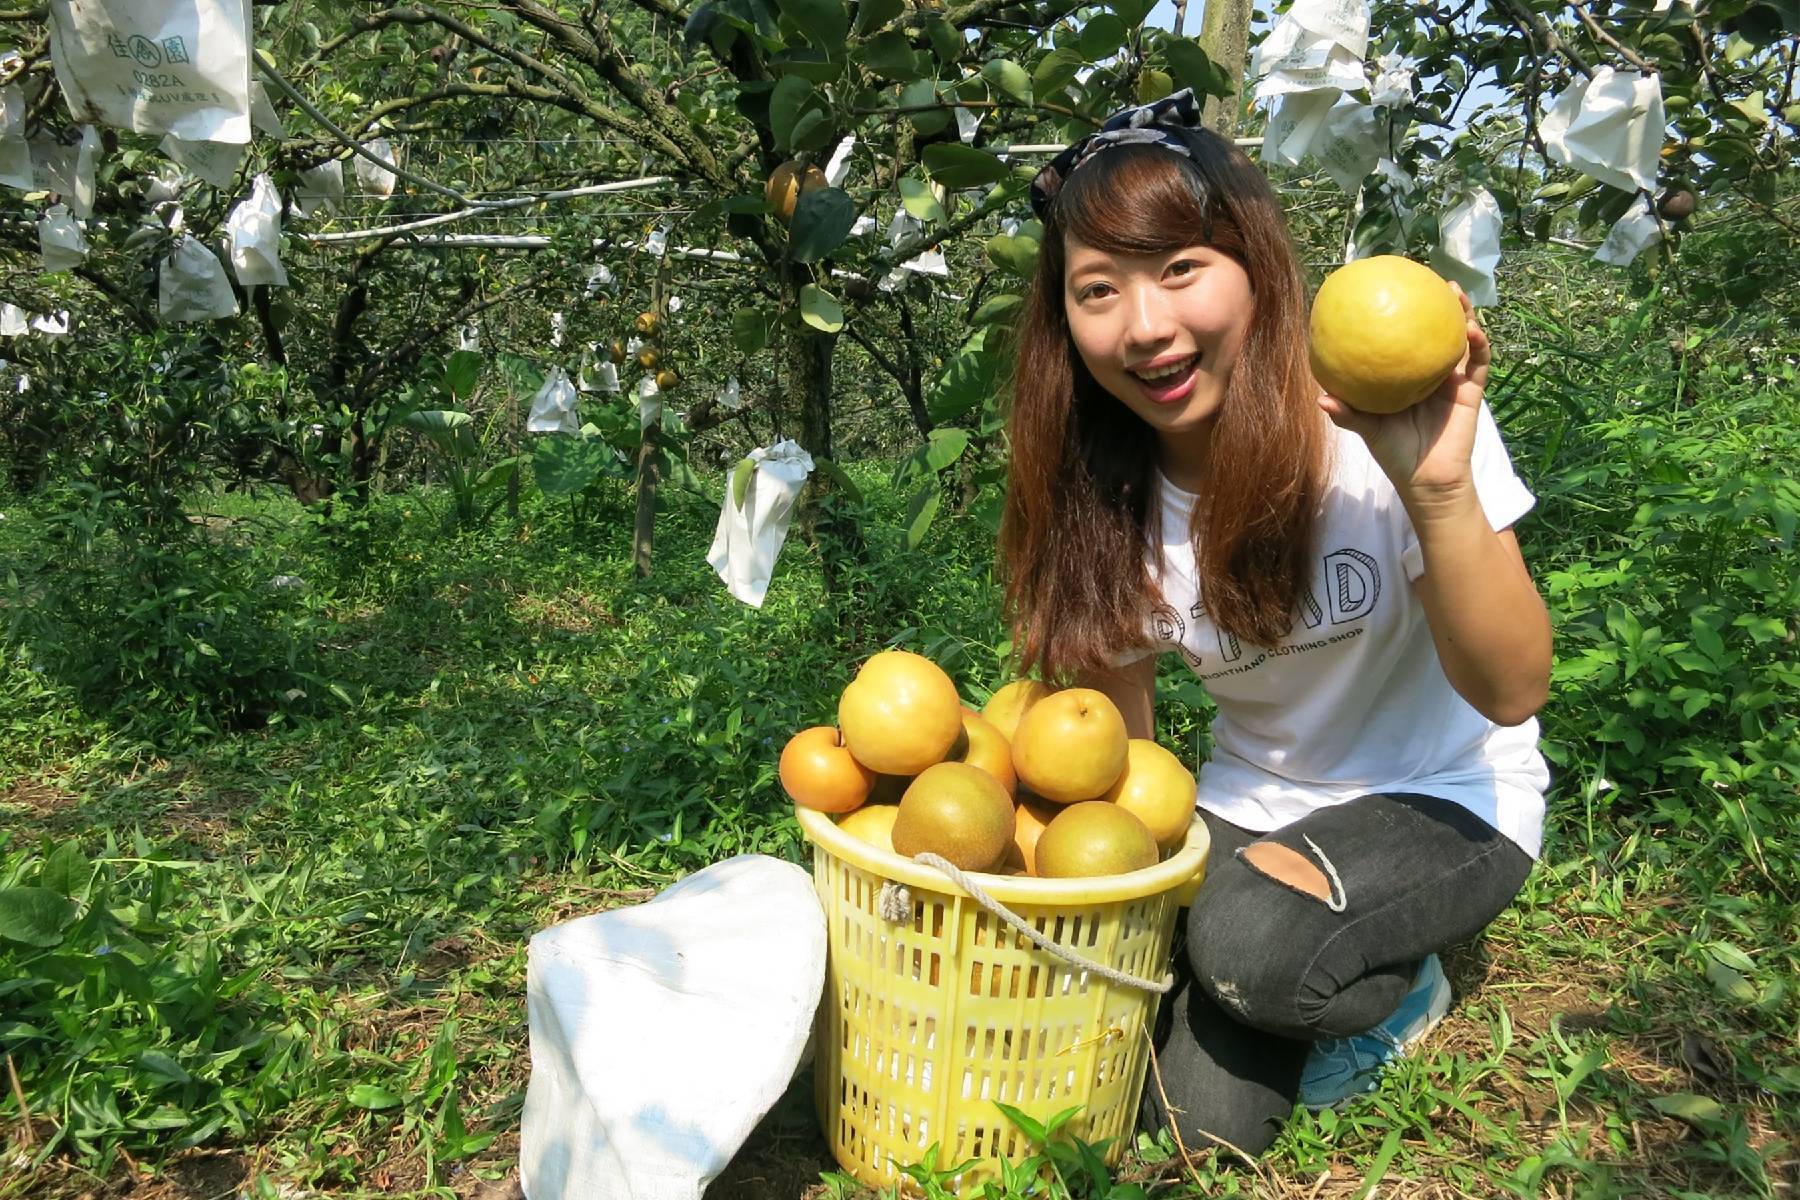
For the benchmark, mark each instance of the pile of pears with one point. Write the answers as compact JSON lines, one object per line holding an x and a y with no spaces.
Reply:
{"x":1041,"y":781}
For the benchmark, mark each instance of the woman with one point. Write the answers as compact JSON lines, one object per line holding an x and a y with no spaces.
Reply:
{"x":1346,"y":586}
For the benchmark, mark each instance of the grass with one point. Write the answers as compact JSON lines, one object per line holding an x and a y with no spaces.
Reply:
{"x":302,"y":947}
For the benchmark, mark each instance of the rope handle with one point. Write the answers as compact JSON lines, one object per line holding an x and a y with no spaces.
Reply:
{"x":895,"y":904}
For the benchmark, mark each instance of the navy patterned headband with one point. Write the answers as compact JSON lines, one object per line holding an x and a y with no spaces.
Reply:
{"x":1144,"y":124}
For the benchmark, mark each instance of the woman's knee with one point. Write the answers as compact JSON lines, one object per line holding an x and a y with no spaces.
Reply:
{"x":1251,"y":950}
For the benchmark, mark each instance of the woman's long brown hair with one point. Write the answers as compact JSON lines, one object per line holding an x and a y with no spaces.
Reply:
{"x":1081,"y":521}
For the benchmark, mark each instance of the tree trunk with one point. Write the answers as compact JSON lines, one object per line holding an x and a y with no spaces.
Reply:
{"x":1225,"y":36}
{"x":807,"y":358}
{"x":649,"y":469}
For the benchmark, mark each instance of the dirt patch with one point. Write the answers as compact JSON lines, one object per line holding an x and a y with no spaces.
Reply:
{"x":39,"y":799}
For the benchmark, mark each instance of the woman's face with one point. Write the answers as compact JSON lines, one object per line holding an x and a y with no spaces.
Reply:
{"x":1161,"y":332}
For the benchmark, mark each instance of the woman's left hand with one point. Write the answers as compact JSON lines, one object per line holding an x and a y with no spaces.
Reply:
{"x":1425,"y":449}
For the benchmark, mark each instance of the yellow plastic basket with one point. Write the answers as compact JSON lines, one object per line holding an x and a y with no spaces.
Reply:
{"x":926,"y":1022}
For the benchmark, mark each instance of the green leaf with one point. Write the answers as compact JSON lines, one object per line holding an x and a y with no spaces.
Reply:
{"x":924,"y":91}
{"x":1026,"y":1125}
{"x":1153,"y":85}
{"x":820,"y":309}
{"x":1101,"y":37}
{"x":967,"y":380}
{"x":839,"y":479}
{"x":918,"y":199}
{"x":160,"y":1064}
{"x":65,"y":870}
{"x":740,"y":481}
{"x":752,"y":329}
{"x":822,"y":220}
{"x":568,"y":466}
{"x":873,"y":14}
{"x":808,"y":64}
{"x":1009,"y":77}
{"x":942,"y":447}
{"x":824,"y":22}
{"x":919,"y":511}
{"x":1055,"y":71}
{"x":998,"y":308}
{"x":1688,"y":1107}
{"x":787,"y":103}
{"x":448,"y":429}
{"x":1192,"y":69}
{"x":1014,"y":253}
{"x":947,"y":42}
{"x":1729,"y":983}
{"x":957,"y":166}
{"x":461,"y":371}
{"x":33,"y":915}
{"x":372,"y":1097}
{"x":891,"y":56}
{"x":1132,"y":12}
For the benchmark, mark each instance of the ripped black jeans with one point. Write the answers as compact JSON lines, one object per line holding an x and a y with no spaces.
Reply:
{"x":1263,"y":969}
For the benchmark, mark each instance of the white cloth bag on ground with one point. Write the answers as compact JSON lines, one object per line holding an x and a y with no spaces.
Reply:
{"x":754,"y":521}
{"x":61,"y":244}
{"x":193,"y":286}
{"x":156,"y":66}
{"x":254,"y":233}
{"x":662,"y":1033}
{"x":553,"y":409}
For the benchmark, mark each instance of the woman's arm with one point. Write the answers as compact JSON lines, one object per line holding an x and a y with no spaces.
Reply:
{"x":1133,"y":689}
{"x":1489,"y":624}
{"x":1487,"y":620}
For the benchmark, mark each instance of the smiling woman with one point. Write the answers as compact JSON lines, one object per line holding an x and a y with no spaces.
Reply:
{"x":1147,"y":260}
{"x":1345,"y":586}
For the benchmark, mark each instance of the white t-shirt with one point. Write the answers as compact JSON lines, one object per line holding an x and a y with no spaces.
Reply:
{"x":1354,"y":699}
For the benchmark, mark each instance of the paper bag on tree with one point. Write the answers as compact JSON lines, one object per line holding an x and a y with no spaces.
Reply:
{"x":759,"y":505}
{"x":553,"y":409}
{"x":254,"y":231}
{"x":61,"y":244}
{"x":156,"y":66}
{"x":193,"y":286}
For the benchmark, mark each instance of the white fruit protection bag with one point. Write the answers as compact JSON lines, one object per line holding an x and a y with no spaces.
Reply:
{"x":61,"y":244}
{"x":662,"y":1033}
{"x":553,"y":409}
{"x":15,"y":151}
{"x":374,"y":179}
{"x":753,"y":525}
{"x":254,"y":233}
{"x":193,"y":286}
{"x":156,"y":66}
{"x":321,"y":188}
{"x":215,"y":162}
{"x":67,"y":168}
{"x":1468,"y":250}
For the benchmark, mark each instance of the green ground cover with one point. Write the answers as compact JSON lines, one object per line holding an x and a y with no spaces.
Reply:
{"x":282,"y":951}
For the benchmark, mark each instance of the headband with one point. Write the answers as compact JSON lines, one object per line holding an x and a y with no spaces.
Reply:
{"x":1153,"y":124}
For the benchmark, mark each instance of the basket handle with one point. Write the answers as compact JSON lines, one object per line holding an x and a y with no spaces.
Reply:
{"x":895,"y":904}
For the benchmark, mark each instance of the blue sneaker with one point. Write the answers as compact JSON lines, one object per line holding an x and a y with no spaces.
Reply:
{"x":1339,"y":1069}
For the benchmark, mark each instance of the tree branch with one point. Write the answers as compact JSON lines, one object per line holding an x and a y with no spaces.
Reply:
{"x":1534,"y":26}
{"x":1600,"y":35}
